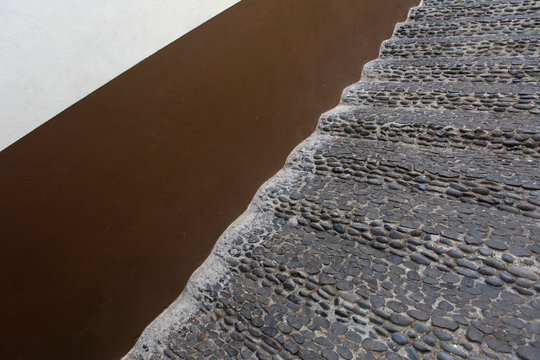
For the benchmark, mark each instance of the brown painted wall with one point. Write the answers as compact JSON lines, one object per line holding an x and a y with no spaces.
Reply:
{"x":107,"y":208}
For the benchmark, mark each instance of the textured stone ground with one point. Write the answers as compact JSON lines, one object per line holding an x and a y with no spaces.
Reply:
{"x":406,"y":227}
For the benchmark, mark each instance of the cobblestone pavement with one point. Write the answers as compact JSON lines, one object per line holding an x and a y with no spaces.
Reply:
{"x":406,"y":227}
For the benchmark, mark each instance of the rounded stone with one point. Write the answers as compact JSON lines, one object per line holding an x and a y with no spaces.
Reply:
{"x":373,"y":345}
{"x":418,"y":315}
{"x":506,"y":277}
{"x":498,"y":345}
{"x":329,"y":354}
{"x":473,"y":334}
{"x":528,"y":353}
{"x":345,"y":352}
{"x":420,"y":346}
{"x":399,"y":338}
{"x":399,"y":319}
{"x":508,"y":258}
{"x":522,"y":272}
{"x":497,"y":245}
{"x":444,"y":356}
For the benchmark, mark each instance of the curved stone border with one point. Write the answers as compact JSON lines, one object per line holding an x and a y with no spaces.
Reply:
{"x":215,"y":268}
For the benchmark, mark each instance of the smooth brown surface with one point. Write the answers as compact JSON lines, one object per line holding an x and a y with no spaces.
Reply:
{"x":107,"y":209}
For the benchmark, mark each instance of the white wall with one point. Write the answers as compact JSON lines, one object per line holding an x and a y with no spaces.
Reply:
{"x":55,"y":52}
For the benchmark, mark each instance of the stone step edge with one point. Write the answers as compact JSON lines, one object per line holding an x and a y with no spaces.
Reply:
{"x":460,"y":39}
{"x":308,"y":152}
{"x":465,"y":20}
{"x":476,"y":6}
{"x":529,"y":31}
{"x":370,"y":74}
{"x":394,"y":114}
{"x":468,"y":61}
{"x":468,"y":89}
{"x":499,"y":138}
{"x":447,"y":2}
{"x":153,"y":339}
{"x":513,"y":89}
{"x":471,"y":3}
{"x":517,"y":142}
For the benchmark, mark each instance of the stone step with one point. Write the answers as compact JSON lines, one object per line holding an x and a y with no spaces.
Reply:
{"x":475,"y":10}
{"x":472,"y":2}
{"x":467,"y":97}
{"x":452,"y":70}
{"x":504,"y":26}
{"x":469,"y":175}
{"x":377,"y":222}
{"x":499,"y":133}
{"x":487,"y":47}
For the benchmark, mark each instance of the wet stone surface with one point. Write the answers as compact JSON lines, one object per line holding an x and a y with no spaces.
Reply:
{"x":408,"y":226}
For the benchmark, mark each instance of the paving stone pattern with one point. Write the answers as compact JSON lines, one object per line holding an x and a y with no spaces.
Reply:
{"x":407,"y":226}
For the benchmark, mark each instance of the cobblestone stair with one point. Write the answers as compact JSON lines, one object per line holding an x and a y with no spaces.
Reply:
{"x":406,"y":227}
